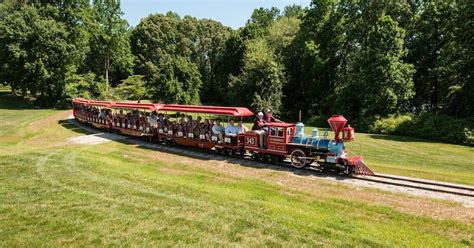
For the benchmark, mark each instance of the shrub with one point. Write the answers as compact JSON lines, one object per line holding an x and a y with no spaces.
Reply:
{"x":427,"y":125}
{"x":390,"y":124}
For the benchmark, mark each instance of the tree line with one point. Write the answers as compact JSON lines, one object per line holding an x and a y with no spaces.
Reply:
{"x":363,"y":59}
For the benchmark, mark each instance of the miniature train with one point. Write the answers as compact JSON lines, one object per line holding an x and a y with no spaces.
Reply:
{"x":277,"y":142}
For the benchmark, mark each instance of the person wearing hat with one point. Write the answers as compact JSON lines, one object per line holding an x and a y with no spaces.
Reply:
{"x":259,"y":122}
{"x":268,"y":117}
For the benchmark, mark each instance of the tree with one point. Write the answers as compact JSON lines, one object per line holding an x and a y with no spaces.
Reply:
{"x":431,"y":34}
{"x":39,"y":52}
{"x":313,"y":59}
{"x":261,"y":81}
{"x":132,"y":88}
{"x":83,"y":85}
{"x":458,"y":64}
{"x":110,"y":52}
{"x":259,"y":22}
{"x":281,"y":34}
{"x":210,"y":38}
{"x":378,"y":82}
{"x":229,"y":64}
{"x":174,"y":80}
{"x":164,"y":47}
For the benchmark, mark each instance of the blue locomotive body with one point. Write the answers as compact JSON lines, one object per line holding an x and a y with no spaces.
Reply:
{"x":332,"y":150}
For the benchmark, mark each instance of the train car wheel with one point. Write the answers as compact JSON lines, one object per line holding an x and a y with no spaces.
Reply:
{"x":349,"y":170}
{"x":298,"y":158}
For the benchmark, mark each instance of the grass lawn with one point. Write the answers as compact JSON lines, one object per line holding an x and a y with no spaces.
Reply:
{"x":54,"y":193}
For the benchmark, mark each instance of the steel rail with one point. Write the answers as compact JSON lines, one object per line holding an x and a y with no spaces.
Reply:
{"x":417,"y":185}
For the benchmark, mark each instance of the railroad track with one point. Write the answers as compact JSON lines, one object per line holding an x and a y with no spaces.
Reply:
{"x":415,"y":183}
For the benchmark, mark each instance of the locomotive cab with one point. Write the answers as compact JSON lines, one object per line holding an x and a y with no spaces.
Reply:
{"x":271,"y":143}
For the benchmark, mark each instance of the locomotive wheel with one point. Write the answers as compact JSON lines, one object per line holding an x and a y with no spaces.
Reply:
{"x":298,"y":158}
{"x":265,"y":158}
{"x":256,"y":156}
{"x":273,"y":159}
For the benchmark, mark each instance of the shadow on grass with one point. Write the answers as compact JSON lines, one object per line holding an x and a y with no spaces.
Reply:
{"x":72,"y":127}
{"x":14,"y":102}
{"x":202,"y":154}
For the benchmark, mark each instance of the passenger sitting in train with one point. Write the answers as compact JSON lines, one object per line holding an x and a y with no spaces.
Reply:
{"x":182,"y":119}
{"x":231,"y":130}
{"x":95,"y":113}
{"x":259,"y":126}
{"x":218,"y":130}
{"x":121,"y":118}
{"x":153,"y":120}
{"x":259,"y":122}
{"x":205,"y":128}
{"x":109,"y":118}
{"x":241,"y":127}
{"x":181,"y":123}
{"x":101,"y":114}
{"x":136,"y":119}
{"x":128,"y":120}
{"x":141,"y":120}
{"x":268,"y":117}
{"x":162,"y":122}
{"x":196,"y":127}
{"x":189,"y":124}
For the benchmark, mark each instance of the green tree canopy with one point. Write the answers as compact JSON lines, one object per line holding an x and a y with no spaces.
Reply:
{"x":39,"y":52}
{"x":110,"y":54}
{"x":379,"y":82}
{"x":166,"y":55}
{"x":132,"y":88}
{"x":261,"y":80}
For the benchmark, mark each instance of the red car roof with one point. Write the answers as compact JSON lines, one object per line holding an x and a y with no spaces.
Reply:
{"x":129,"y":105}
{"x":217,"y":110}
{"x":100,"y":103}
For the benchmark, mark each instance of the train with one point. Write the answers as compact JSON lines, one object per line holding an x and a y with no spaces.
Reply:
{"x":276,"y":142}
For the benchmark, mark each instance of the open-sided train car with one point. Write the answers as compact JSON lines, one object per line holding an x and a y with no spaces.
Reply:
{"x":197,"y":136}
{"x":276,"y":142}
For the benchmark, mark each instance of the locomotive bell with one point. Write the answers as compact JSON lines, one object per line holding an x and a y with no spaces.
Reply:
{"x":337,"y":123}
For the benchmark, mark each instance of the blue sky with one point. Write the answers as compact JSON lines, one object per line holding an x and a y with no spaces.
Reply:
{"x":232,"y":13}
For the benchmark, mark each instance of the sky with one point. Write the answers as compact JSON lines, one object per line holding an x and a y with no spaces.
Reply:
{"x":232,"y":13}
